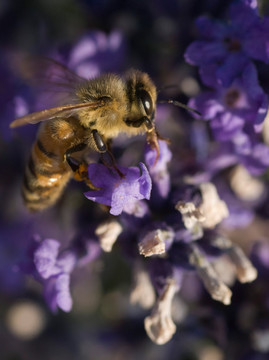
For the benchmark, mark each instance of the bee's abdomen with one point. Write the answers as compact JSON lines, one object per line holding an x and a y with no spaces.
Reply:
{"x":46,"y":174}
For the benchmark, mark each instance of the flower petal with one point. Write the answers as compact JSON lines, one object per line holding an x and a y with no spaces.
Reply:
{"x":204,"y":52}
{"x":45,"y":258}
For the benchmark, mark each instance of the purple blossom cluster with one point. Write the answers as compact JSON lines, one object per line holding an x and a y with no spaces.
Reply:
{"x":185,"y":219}
{"x":236,"y":105}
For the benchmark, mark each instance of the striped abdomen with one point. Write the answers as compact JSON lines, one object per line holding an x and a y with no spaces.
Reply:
{"x":47,"y":171}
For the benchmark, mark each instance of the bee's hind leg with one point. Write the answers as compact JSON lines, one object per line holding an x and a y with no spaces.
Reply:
{"x":80,"y":169}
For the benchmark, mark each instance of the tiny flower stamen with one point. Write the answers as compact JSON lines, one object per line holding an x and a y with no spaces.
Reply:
{"x":107,"y":233}
{"x":159,"y":325}
{"x":212,"y":282}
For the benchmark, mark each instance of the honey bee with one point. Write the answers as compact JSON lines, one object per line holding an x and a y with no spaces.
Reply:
{"x":103,"y":108}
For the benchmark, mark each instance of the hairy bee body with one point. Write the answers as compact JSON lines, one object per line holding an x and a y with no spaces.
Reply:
{"x":104,"y":107}
{"x":47,"y":172}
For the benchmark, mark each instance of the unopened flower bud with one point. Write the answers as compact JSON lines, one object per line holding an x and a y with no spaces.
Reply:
{"x":108,"y":233}
{"x":159,"y":325}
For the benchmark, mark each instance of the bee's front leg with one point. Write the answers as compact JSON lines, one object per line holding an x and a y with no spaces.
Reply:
{"x":104,"y":149}
{"x":152,"y":139}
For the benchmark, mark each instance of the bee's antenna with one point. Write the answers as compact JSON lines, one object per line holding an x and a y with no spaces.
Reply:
{"x":179,"y":104}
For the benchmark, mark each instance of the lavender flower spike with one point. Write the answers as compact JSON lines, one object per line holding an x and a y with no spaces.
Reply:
{"x":118,"y":192}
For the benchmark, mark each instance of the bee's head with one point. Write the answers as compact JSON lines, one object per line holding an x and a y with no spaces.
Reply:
{"x":142,"y":95}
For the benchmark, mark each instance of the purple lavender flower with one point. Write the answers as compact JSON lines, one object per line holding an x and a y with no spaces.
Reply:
{"x":158,"y":170}
{"x":221,"y":157}
{"x":117,"y":192}
{"x":55,"y":271}
{"x":253,"y":4}
{"x":47,"y":260}
{"x":252,"y":154}
{"x":230,"y":109}
{"x":225,"y":48}
{"x":57,"y":292}
{"x":96,"y":52}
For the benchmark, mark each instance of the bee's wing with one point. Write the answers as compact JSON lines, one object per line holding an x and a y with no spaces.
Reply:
{"x":55,"y":112}
{"x":55,"y":82}
{"x":42,"y":70}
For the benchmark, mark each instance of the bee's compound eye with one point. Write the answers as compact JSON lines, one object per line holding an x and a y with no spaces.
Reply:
{"x":146,"y":100}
